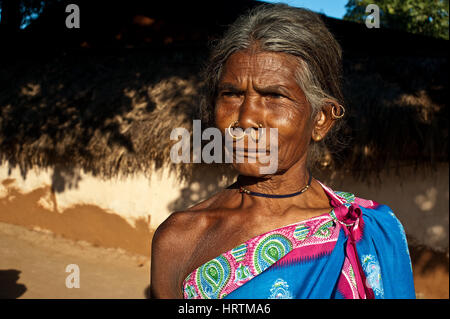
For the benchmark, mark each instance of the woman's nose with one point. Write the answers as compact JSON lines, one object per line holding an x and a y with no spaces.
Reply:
{"x":251,"y":113}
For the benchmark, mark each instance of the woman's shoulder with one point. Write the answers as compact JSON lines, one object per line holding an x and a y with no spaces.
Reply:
{"x":384,"y":217}
{"x":183,"y":227}
{"x":173,"y":244}
{"x":371,"y":209}
{"x":379,"y":220}
{"x":367,"y":204}
{"x":178,"y":229}
{"x":375,"y":213}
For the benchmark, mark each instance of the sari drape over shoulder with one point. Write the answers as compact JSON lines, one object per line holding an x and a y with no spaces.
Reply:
{"x":357,"y":251}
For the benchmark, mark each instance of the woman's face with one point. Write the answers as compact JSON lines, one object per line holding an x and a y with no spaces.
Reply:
{"x":260,"y":88}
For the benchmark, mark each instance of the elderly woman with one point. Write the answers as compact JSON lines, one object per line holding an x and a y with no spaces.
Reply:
{"x":284,"y":234}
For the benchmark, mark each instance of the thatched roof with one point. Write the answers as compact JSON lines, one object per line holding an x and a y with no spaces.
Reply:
{"x":111,"y":112}
{"x":398,"y":112}
{"x":104,"y":114}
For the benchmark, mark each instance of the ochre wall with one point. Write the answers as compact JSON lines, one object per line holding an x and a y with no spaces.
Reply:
{"x":124,"y":212}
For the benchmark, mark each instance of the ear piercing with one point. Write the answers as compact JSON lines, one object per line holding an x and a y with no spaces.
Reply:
{"x":333,"y":112}
{"x":317,"y":137}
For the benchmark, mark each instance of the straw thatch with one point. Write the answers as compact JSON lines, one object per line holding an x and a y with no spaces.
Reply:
{"x":107,"y":115}
{"x":112,"y":112}
{"x":398,"y":113}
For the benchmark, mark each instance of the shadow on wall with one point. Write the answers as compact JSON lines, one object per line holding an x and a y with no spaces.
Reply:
{"x":10,"y":289}
{"x":430,"y":269}
{"x":114,"y":114}
{"x":63,"y":178}
{"x":103,"y":114}
{"x":147,"y":292}
{"x":204,"y":182}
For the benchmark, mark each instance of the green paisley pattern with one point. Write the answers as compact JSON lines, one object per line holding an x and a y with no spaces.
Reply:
{"x":223,"y":274}
{"x":213,"y":277}
{"x":270,"y":250}
{"x":349,"y":197}
{"x":324,"y":231}
{"x":301,"y":232}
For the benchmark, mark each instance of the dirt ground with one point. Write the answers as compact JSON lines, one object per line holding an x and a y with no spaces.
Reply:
{"x":33,"y":265}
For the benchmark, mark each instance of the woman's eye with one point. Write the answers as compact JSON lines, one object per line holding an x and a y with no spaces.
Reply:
{"x":274,"y":95}
{"x":229,"y":94}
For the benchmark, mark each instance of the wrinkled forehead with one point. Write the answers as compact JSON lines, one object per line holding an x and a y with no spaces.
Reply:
{"x":263,"y":66}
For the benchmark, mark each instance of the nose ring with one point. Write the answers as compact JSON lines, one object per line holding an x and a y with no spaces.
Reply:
{"x":252,"y":133}
{"x":234,"y":124}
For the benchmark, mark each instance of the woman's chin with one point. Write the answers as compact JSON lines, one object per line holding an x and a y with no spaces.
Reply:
{"x":250,"y":169}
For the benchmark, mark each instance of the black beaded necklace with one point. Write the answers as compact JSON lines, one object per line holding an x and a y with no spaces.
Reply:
{"x":304,"y":189}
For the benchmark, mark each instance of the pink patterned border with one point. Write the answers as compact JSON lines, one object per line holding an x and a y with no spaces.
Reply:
{"x":309,"y":247}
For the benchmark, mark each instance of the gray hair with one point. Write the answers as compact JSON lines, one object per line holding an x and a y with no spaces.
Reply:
{"x":281,"y":28}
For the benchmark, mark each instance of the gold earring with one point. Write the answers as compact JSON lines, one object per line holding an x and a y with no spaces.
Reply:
{"x":317,"y":137}
{"x":234,"y":124}
{"x":333,"y":112}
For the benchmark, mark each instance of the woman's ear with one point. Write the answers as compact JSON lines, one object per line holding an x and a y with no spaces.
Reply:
{"x":324,"y":119}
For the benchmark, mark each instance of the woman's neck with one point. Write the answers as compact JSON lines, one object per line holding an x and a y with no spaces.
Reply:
{"x":287,"y":182}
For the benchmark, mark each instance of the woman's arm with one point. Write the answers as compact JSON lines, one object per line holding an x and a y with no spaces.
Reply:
{"x":164,"y":261}
{"x":171,"y":248}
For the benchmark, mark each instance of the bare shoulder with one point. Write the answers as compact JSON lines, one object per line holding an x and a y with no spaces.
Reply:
{"x":175,"y":229}
{"x":172,"y":245}
{"x":182,"y":227}
{"x":175,"y":242}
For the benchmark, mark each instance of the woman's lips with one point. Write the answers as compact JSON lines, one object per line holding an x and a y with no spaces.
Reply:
{"x":250,"y":152}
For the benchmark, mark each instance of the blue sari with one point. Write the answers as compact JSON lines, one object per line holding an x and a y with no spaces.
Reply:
{"x":357,"y":251}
